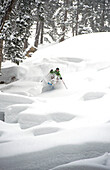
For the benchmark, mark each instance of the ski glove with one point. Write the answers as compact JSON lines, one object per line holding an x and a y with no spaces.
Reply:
{"x":61,"y":78}
{"x":51,"y":71}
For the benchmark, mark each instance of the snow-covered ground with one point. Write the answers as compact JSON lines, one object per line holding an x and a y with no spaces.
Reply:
{"x":61,"y":128}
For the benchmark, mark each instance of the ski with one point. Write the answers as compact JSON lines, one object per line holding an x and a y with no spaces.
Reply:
{"x":50,"y":83}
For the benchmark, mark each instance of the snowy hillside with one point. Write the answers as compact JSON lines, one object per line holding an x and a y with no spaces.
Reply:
{"x":61,"y":128}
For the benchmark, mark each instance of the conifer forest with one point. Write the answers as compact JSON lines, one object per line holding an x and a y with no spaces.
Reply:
{"x":55,"y":21}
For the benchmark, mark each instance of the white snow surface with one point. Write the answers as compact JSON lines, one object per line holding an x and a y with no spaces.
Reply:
{"x":61,"y":128}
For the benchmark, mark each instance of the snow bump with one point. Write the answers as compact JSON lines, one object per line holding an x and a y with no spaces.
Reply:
{"x":93,"y":95}
{"x":62,"y":117}
{"x":45,"y":130}
{"x":75,"y":60}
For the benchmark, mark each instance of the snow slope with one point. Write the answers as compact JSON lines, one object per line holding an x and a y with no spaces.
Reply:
{"x":60,"y":128}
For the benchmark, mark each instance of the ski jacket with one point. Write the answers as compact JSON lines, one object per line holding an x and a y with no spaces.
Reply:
{"x":56,"y":72}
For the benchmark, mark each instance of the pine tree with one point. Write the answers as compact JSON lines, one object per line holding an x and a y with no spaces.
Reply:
{"x":17,"y":34}
{"x":5,"y":11}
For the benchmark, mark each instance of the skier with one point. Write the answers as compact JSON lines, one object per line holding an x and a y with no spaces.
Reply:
{"x":56,"y":72}
{"x":54,"y":76}
{"x":52,"y":80}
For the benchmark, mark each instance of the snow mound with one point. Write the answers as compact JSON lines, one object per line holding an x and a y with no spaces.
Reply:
{"x":10,"y":99}
{"x":56,"y":128}
{"x":27,"y":120}
{"x":99,"y":163}
{"x":45,"y":130}
{"x":93,"y":95}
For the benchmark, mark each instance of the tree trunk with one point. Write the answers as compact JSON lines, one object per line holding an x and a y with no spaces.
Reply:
{"x":1,"y":55}
{"x":65,"y":19}
{"x":38,"y":28}
{"x":103,"y":16}
{"x":72,"y":30}
{"x":71,"y":3}
{"x":42,"y":32}
{"x":92,"y":22}
{"x":77,"y":17}
{"x":25,"y":44}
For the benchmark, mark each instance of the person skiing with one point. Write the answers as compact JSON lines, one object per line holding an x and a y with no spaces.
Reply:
{"x":52,"y":80}
{"x":55,"y":72}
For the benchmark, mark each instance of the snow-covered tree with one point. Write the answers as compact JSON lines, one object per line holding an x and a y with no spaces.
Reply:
{"x":6,"y":7}
{"x":94,"y":16}
{"x":17,"y":34}
{"x":44,"y":21}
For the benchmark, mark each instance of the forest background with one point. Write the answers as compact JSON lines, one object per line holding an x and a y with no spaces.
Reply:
{"x":55,"y":21}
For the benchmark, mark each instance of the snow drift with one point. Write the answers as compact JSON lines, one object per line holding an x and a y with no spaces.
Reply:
{"x":59,"y":128}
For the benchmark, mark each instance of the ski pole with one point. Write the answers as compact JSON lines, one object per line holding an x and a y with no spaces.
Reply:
{"x":64,"y":84}
{"x":44,"y":77}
